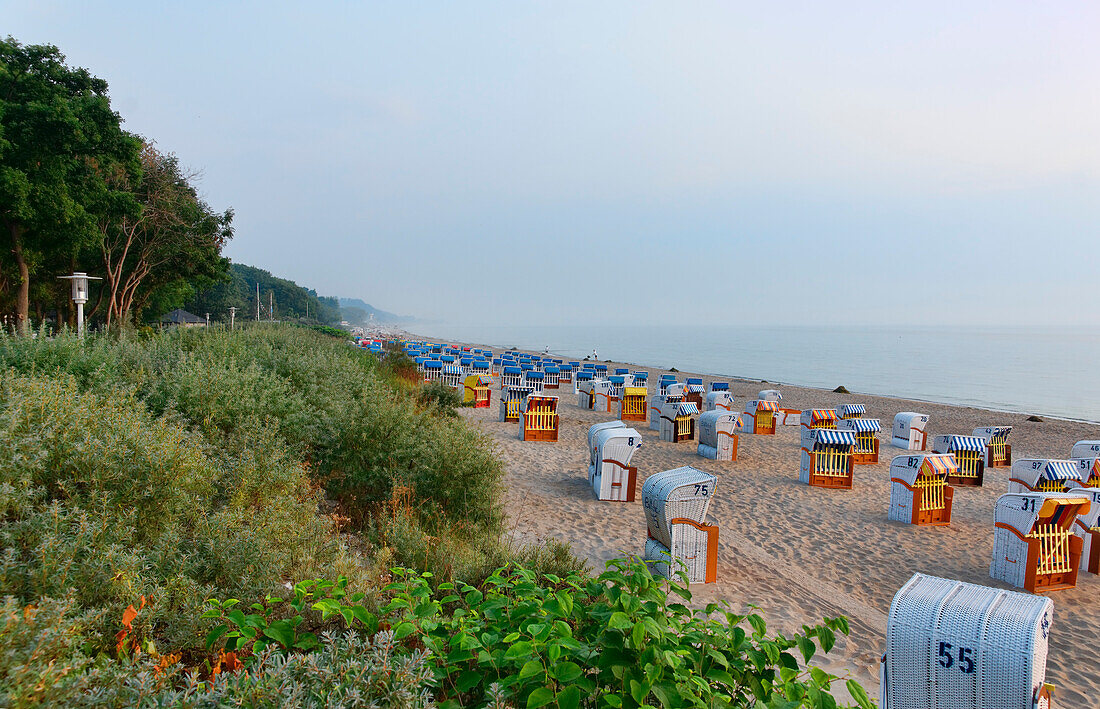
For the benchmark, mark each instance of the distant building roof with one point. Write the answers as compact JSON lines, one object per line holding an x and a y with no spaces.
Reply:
{"x":182,"y":317}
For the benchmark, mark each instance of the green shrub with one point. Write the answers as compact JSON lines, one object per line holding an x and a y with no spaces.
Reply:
{"x":611,"y":641}
{"x":102,"y":503}
{"x":440,"y":398}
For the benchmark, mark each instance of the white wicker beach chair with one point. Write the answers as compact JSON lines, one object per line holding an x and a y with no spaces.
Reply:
{"x":955,"y":645}
{"x":513,"y":402}
{"x":676,"y":503}
{"x":539,"y":420}
{"x":678,"y":421}
{"x":812,"y":419}
{"x":969,"y":452}
{"x":826,"y":458}
{"x":919,"y":493}
{"x":612,"y":476}
{"x":759,"y":417}
{"x":593,"y":432}
{"x":998,"y":451}
{"x":865,"y":451}
{"x":1034,"y":546}
{"x":1087,"y":526}
{"x":1043,"y":475}
{"x":721,"y":400}
{"x":718,"y":431}
{"x":908,"y":431}
{"x":769,"y":395}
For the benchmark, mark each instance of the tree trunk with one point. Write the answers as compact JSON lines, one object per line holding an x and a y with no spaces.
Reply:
{"x":23,"y":287}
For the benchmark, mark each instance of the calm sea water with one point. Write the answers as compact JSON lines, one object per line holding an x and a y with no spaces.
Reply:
{"x":1052,"y":371}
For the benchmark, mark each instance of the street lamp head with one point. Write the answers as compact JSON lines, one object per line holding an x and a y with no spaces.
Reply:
{"x":79,"y":281}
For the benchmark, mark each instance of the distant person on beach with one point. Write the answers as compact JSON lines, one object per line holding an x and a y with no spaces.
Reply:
{"x":546,"y":350}
{"x":594,"y":355}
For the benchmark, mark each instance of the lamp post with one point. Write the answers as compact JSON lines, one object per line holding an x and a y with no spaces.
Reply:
{"x":232,"y":316}
{"x":79,"y":281}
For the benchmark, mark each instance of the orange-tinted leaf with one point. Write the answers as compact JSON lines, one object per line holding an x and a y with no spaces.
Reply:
{"x":128,"y":616}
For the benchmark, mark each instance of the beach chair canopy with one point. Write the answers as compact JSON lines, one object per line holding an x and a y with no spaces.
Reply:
{"x":711,"y":422}
{"x":992,"y":432}
{"x":829,"y":437}
{"x":621,"y":370}
{"x":769,"y":395}
{"x":909,"y":467}
{"x":817,"y":416}
{"x":684,"y":408}
{"x":1034,"y":470}
{"x":851,"y":410}
{"x":617,"y":379}
{"x":433,"y":364}
{"x":761,"y":405}
{"x":532,"y":374}
{"x":860,"y":425}
{"x":617,"y":445}
{"x":950,"y":444}
{"x":1061,"y":507}
{"x":719,"y":386}
{"x":584,"y":375}
{"x":635,"y":391}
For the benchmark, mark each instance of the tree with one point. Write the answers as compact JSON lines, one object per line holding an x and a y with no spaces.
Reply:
{"x":63,"y":156}
{"x":172,"y":239}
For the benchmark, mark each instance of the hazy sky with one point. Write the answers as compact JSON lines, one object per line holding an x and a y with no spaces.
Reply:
{"x":556,"y":162}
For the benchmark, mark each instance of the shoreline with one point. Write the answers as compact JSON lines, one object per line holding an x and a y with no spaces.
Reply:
{"x":743,"y":379}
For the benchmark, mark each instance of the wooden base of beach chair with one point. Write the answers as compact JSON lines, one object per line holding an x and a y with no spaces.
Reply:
{"x":967,"y":480}
{"x":1003,"y":462}
{"x":933,"y":518}
{"x":866,"y":458}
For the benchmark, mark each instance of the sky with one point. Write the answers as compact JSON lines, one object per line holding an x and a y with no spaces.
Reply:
{"x":849,"y":163}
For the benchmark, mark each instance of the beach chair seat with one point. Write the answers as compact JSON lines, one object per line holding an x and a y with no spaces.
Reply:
{"x":826,"y":458}
{"x":759,"y":417}
{"x":969,"y":452}
{"x":919,"y":492}
{"x":1034,"y":546}
{"x":998,"y":451}
{"x":513,"y":402}
{"x":633,"y":405}
{"x":865,"y":451}
{"x":539,"y":421}
{"x":679,"y":538}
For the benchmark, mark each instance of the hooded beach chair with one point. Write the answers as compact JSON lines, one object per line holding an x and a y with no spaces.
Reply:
{"x":718,"y":434}
{"x":593,"y":430}
{"x":865,"y":451}
{"x":539,"y":421}
{"x":769,"y":395}
{"x":1087,"y":527}
{"x":919,"y":493}
{"x":908,"y":433}
{"x":955,"y":645}
{"x":433,"y":370}
{"x":826,"y":458}
{"x":512,"y":402}
{"x":610,"y":473}
{"x":1043,"y":475}
{"x":695,"y":392}
{"x":759,"y":417}
{"x":812,"y":419}
{"x":719,"y":398}
{"x":633,"y":404}
{"x":1034,"y":546}
{"x":603,"y":395}
{"x":534,"y":379}
{"x":476,"y":390}
{"x":582,"y":387}
{"x":565,"y":374}
{"x":452,"y":375}
{"x":850,"y":411}
{"x":671,"y":391}
{"x":664,"y":382}
{"x":678,"y":421}
{"x":676,"y":504}
{"x":618,"y":383}
{"x":969,"y":452}
{"x":1087,"y":456}
{"x":511,"y":376}
{"x":550,"y":374}
{"x":998,"y":452}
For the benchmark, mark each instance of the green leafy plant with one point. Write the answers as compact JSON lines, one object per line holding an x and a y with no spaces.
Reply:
{"x":618,"y":640}
{"x":260,"y":629}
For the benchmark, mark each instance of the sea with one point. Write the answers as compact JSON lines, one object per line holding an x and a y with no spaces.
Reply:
{"x":1045,"y":371}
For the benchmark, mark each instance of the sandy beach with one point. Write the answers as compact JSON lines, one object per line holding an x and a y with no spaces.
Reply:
{"x":801,"y":553}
